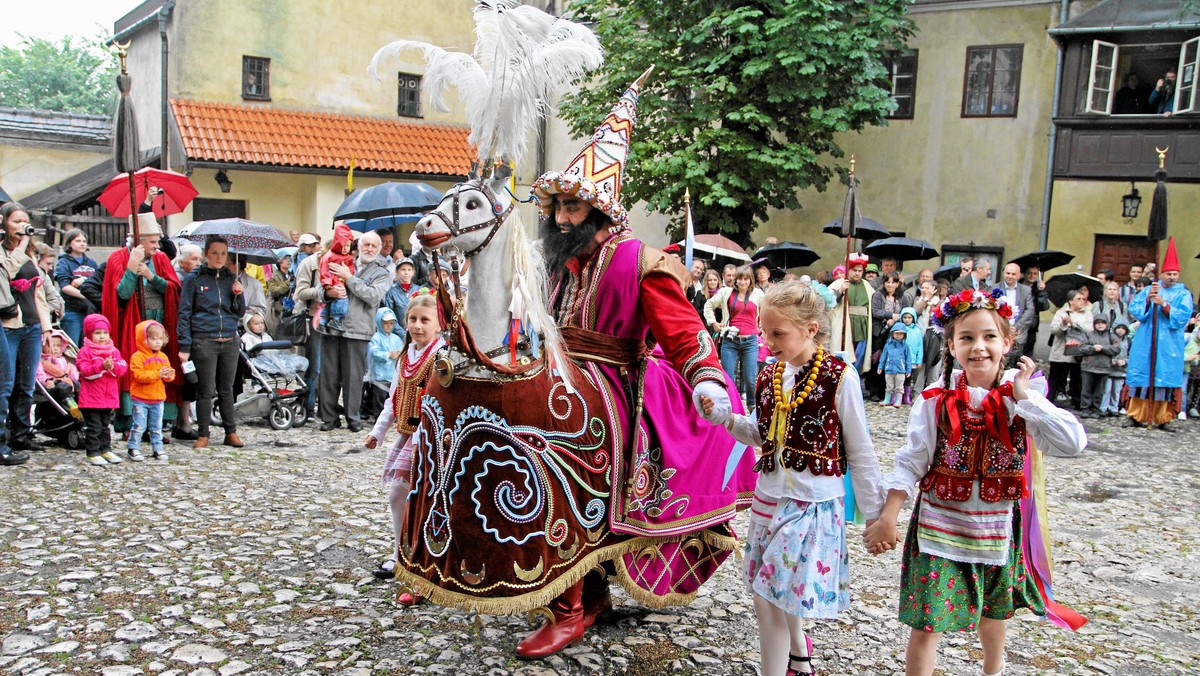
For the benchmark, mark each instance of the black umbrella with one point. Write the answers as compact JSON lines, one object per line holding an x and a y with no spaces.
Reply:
{"x":1045,"y":259}
{"x":389,"y":199}
{"x":788,"y":254}
{"x":4,"y":197}
{"x":1058,"y":286}
{"x":868,"y":229}
{"x":901,"y":249}
{"x":949,"y":272}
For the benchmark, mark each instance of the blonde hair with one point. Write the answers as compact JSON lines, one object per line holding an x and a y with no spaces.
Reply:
{"x":155,"y":329}
{"x":1006,"y":331}
{"x":420,"y":300}
{"x":800,"y":304}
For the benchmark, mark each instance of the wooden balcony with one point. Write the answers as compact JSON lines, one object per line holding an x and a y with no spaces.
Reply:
{"x":1122,"y":147}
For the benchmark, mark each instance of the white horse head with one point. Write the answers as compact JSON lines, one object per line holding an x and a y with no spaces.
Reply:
{"x":508,"y":280}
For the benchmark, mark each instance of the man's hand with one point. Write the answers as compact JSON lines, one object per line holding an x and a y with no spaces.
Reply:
{"x":338,"y":291}
{"x":77,"y":282}
{"x":183,"y":356}
{"x":719,"y":408}
{"x":341,"y":271}
{"x":143,"y":270}
{"x":136,"y":256}
{"x":237,"y":287}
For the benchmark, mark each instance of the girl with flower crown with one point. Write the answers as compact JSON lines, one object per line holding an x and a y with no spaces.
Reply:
{"x":811,"y":427}
{"x":976,"y":545}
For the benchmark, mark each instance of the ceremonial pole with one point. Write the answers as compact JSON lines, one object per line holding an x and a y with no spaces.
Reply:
{"x":850,"y":218}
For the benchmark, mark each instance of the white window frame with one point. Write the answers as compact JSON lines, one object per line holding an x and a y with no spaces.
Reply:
{"x":1097,"y":46}
{"x":1187,"y":103}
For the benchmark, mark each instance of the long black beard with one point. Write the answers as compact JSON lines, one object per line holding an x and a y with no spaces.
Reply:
{"x":558,"y":247}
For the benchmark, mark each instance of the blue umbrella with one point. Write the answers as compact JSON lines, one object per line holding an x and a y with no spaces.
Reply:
{"x":389,"y":222}
{"x":388,"y":199}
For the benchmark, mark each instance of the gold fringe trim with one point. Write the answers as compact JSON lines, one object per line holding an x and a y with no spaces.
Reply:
{"x":516,"y":605}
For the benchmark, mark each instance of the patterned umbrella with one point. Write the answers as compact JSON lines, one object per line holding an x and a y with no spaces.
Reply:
{"x":241,"y":234}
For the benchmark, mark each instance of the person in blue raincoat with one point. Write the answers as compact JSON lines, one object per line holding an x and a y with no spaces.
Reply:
{"x":386,"y":346}
{"x":1163,"y":310}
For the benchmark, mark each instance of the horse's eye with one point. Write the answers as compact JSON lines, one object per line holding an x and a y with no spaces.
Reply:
{"x":472,"y":204}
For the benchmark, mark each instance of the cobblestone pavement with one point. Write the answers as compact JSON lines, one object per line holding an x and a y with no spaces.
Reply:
{"x":257,"y":560}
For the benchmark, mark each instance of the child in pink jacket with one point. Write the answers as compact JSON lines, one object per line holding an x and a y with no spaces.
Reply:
{"x":100,"y":369}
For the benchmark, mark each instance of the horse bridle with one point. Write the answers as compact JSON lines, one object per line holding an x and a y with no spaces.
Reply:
{"x":499,"y":214}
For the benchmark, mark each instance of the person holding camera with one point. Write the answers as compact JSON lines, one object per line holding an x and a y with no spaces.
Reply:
{"x":26,"y":320}
{"x":737,"y":329}
{"x":1162,"y":99}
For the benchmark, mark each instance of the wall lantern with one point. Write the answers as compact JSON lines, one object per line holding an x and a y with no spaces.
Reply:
{"x":226,"y":184}
{"x":1129,"y":203}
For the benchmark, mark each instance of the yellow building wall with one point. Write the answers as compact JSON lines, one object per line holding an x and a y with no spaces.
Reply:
{"x":1084,"y":209}
{"x":935,"y":177}
{"x":304,"y":202}
{"x":26,"y":169}
{"x":319,"y":50}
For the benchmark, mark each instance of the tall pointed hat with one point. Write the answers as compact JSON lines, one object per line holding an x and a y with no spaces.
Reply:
{"x":1171,"y":259}
{"x":595,"y":174}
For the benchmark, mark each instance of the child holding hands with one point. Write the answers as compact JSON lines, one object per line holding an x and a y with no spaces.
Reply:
{"x":965,"y":555}
{"x":403,"y":409}
{"x":100,"y":369}
{"x":810,"y":425}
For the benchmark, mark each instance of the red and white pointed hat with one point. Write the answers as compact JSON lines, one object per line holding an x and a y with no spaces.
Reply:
{"x":1171,"y":260}
{"x":595,"y":174}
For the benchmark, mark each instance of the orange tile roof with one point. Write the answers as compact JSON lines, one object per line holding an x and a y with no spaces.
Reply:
{"x":224,"y":132}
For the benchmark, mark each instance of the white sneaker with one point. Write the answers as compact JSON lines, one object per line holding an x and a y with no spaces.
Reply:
{"x":96,"y":460}
{"x":1194,"y":413}
{"x":1182,"y":415}
{"x":161,"y":455}
{"x":135,"y":455}
{"x":112,"y":458}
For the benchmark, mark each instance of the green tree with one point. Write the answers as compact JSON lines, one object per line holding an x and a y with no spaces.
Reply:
{"x":74,"y":74}
{"x":746,"y":100}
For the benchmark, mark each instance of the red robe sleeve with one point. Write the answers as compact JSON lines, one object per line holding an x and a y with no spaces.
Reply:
{"x":675,"y":325}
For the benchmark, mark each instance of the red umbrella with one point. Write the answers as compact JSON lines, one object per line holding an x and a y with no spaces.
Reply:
{"x":176,"y":192}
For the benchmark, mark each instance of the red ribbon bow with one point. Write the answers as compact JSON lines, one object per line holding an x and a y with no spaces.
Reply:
{"x":995,"y":413}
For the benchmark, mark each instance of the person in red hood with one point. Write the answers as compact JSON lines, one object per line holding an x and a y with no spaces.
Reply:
{"x":128,"y":269}
{"x":343,"y":242}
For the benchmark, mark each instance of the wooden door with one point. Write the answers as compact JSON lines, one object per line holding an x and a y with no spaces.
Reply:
{"x":1118,"y":252}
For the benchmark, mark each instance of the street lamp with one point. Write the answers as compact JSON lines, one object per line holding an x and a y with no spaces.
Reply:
{"x":1130,"y":202}
{"x":226,"y":184}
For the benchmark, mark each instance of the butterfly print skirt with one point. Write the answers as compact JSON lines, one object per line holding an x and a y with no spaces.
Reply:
{"x":796,"y":556}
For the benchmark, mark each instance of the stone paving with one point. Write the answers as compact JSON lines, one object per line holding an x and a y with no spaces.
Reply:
{"x":257,"y":560}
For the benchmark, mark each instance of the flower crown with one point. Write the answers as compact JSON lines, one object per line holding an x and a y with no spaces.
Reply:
{"x":967,"y":300}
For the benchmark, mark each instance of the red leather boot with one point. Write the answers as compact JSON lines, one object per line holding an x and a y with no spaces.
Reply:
{"x":596,"y":599}
{"x":566,"y":629}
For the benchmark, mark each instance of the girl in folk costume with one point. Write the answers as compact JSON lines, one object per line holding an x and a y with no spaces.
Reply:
{"x":810,"y":425}
{"x":403,"y":409}
{"x":976,"y":548}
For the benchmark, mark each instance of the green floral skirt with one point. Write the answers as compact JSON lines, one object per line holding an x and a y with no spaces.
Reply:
{"x":938,"y":594}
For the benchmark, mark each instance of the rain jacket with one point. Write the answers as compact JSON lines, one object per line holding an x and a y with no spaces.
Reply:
{"x":383,"y":367}
{"x":208,"y":307}
{"x":145,"y":365}
{"x":341,"y":237}
{"x":99,"y":387}
{"x":894,"y":358}
{"x":915,"y":338}
{"x":1122,"y":359}
{"x":1100,"y":362}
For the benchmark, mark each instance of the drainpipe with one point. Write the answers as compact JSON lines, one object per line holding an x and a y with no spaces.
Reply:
{"x":1048,"y":192}
{"x":164,"y":13}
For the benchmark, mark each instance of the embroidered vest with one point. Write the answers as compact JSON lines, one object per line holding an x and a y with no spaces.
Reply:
{"x":814,"y":428}
{"x":977,"y":455}
{"x":406,"y":399}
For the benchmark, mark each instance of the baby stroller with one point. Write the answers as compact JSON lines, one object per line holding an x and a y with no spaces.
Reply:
{"x":273,"y":386}
{"x":52,"y":406}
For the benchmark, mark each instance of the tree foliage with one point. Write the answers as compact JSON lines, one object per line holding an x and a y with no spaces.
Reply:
{"x":76,"y":75}
{"x":746,"y":100}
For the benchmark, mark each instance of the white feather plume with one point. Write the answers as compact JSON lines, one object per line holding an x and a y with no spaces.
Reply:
{"x":523,"y":58}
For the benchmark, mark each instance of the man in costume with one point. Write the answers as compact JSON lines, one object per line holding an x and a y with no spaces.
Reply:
{"x":1154,"y":378}
{"x":853,"y":295}
{"x":140,"y":283}
{"x":608,"y":290}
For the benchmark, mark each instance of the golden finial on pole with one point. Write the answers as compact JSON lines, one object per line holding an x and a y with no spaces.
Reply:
{"x":852,"y":163}
{"x":637,"y":84}
{"x":1162,"y":156}
{"x":122,"y":52}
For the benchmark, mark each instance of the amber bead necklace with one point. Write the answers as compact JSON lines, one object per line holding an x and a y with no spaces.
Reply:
{"x":777,"y":384}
